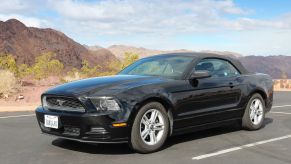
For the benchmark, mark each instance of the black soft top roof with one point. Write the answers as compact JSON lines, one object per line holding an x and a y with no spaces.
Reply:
{"x":200,"y":55}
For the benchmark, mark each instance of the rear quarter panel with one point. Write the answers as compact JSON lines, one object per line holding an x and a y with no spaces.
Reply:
{"x":257,"y":83}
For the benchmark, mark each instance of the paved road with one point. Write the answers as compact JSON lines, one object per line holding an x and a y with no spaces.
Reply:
{"x":21,"y":142}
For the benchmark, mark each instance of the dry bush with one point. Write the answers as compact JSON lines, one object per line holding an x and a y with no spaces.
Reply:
{"x":8,"y":83}
{"x":46,"y":66}
{"x":71,"y":77}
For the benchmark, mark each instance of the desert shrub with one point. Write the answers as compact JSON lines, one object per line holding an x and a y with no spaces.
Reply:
{"x":23,"y":70}
{"x":114,"y":67}
{"x":73,"y":72}
{"x":88,"y":71}
{"x":7,"y":61}
{"x":72,"y":75}
{"x":129,"y":58}
{"x":55,"y":67}
{"x":46,"y":66}
{"x":8,"y":82}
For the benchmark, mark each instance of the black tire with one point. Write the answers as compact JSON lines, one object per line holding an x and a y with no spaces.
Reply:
{"x":136,"y":141}
{"x":247,"y":122}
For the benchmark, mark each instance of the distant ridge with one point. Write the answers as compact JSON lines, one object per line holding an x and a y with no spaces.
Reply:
{"x":119,"y":50}
{"x":276,"y":66}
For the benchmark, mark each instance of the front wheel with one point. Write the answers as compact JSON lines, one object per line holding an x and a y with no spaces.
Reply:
{"x":254,"y":113}
{"x":150,"y":128}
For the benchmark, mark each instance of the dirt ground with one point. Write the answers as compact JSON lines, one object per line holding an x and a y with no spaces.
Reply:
{"x":25,"y":100}
{"x":27,"y":97}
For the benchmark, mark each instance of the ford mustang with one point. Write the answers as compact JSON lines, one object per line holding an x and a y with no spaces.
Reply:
{"x":155,"y":98}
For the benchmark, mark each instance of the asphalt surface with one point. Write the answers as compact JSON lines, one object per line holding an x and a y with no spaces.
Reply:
{"x":21,"y":142}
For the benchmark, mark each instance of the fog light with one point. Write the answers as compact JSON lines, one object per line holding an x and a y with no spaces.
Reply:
{"x":98,"y":130}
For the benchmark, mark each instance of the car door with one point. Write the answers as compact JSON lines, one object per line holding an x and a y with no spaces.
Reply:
{"x":210,"y":99}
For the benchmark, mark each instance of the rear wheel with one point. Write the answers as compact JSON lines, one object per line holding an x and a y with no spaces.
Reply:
{"x":150,"y":128}
{"x":254,"y":113}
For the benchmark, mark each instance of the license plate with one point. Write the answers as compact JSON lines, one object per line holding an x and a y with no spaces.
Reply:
{"x":51,"y":121}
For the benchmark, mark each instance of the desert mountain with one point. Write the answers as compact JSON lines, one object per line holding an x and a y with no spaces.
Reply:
{"x":93,"y":48}
{"x":276,"y":66}
{"x":26,"y":43}
{"x":120,"y":50}
{"x":227,"y":53}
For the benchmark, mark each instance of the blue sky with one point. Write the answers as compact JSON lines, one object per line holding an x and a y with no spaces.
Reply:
{"x":249,"y":27}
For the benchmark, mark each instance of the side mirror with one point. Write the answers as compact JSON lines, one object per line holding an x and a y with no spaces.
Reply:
{"x":200,"y":75}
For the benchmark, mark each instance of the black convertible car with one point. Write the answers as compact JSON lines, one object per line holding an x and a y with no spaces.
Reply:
{"x":157,"y":97}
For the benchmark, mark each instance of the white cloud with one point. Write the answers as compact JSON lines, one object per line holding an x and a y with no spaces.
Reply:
{"x":26,"y":11}
{"x":168,"y":17}
{"x":104,"y":11}
{"x":12,"y":6}
{"x":159,"y":17}
{"x":155,"y":16}
{"x":19,"y":6}
{"x":28,"y":21}
{"x":244,"y":23}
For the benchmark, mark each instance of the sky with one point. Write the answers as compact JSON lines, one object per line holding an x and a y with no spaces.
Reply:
{"x":249,"y":27}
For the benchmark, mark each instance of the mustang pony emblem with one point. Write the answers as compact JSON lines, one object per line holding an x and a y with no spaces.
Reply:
{"x":60,"y":102}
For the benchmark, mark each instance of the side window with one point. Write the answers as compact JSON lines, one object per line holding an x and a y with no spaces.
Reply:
{"x":217,"y":68}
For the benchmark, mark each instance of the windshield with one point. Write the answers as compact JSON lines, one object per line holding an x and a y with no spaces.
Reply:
{"x":166,"y":66}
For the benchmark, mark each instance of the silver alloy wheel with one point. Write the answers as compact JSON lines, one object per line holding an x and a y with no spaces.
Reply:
{"x":256,"y":111}
{"x":152,"y":127}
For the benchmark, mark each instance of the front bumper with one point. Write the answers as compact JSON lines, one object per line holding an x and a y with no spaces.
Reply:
{"x":85,"y":127}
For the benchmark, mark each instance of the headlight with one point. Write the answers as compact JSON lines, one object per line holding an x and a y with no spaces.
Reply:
{"x":43,"y":102}
{"x":105,"y":104}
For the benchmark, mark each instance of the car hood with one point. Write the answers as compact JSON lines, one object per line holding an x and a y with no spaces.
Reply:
{"x":108,"y":85}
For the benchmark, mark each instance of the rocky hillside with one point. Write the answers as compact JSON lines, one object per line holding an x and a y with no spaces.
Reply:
{"x":26,"y":43}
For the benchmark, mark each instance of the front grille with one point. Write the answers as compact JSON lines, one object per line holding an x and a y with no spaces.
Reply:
{"x":63,"y":104}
